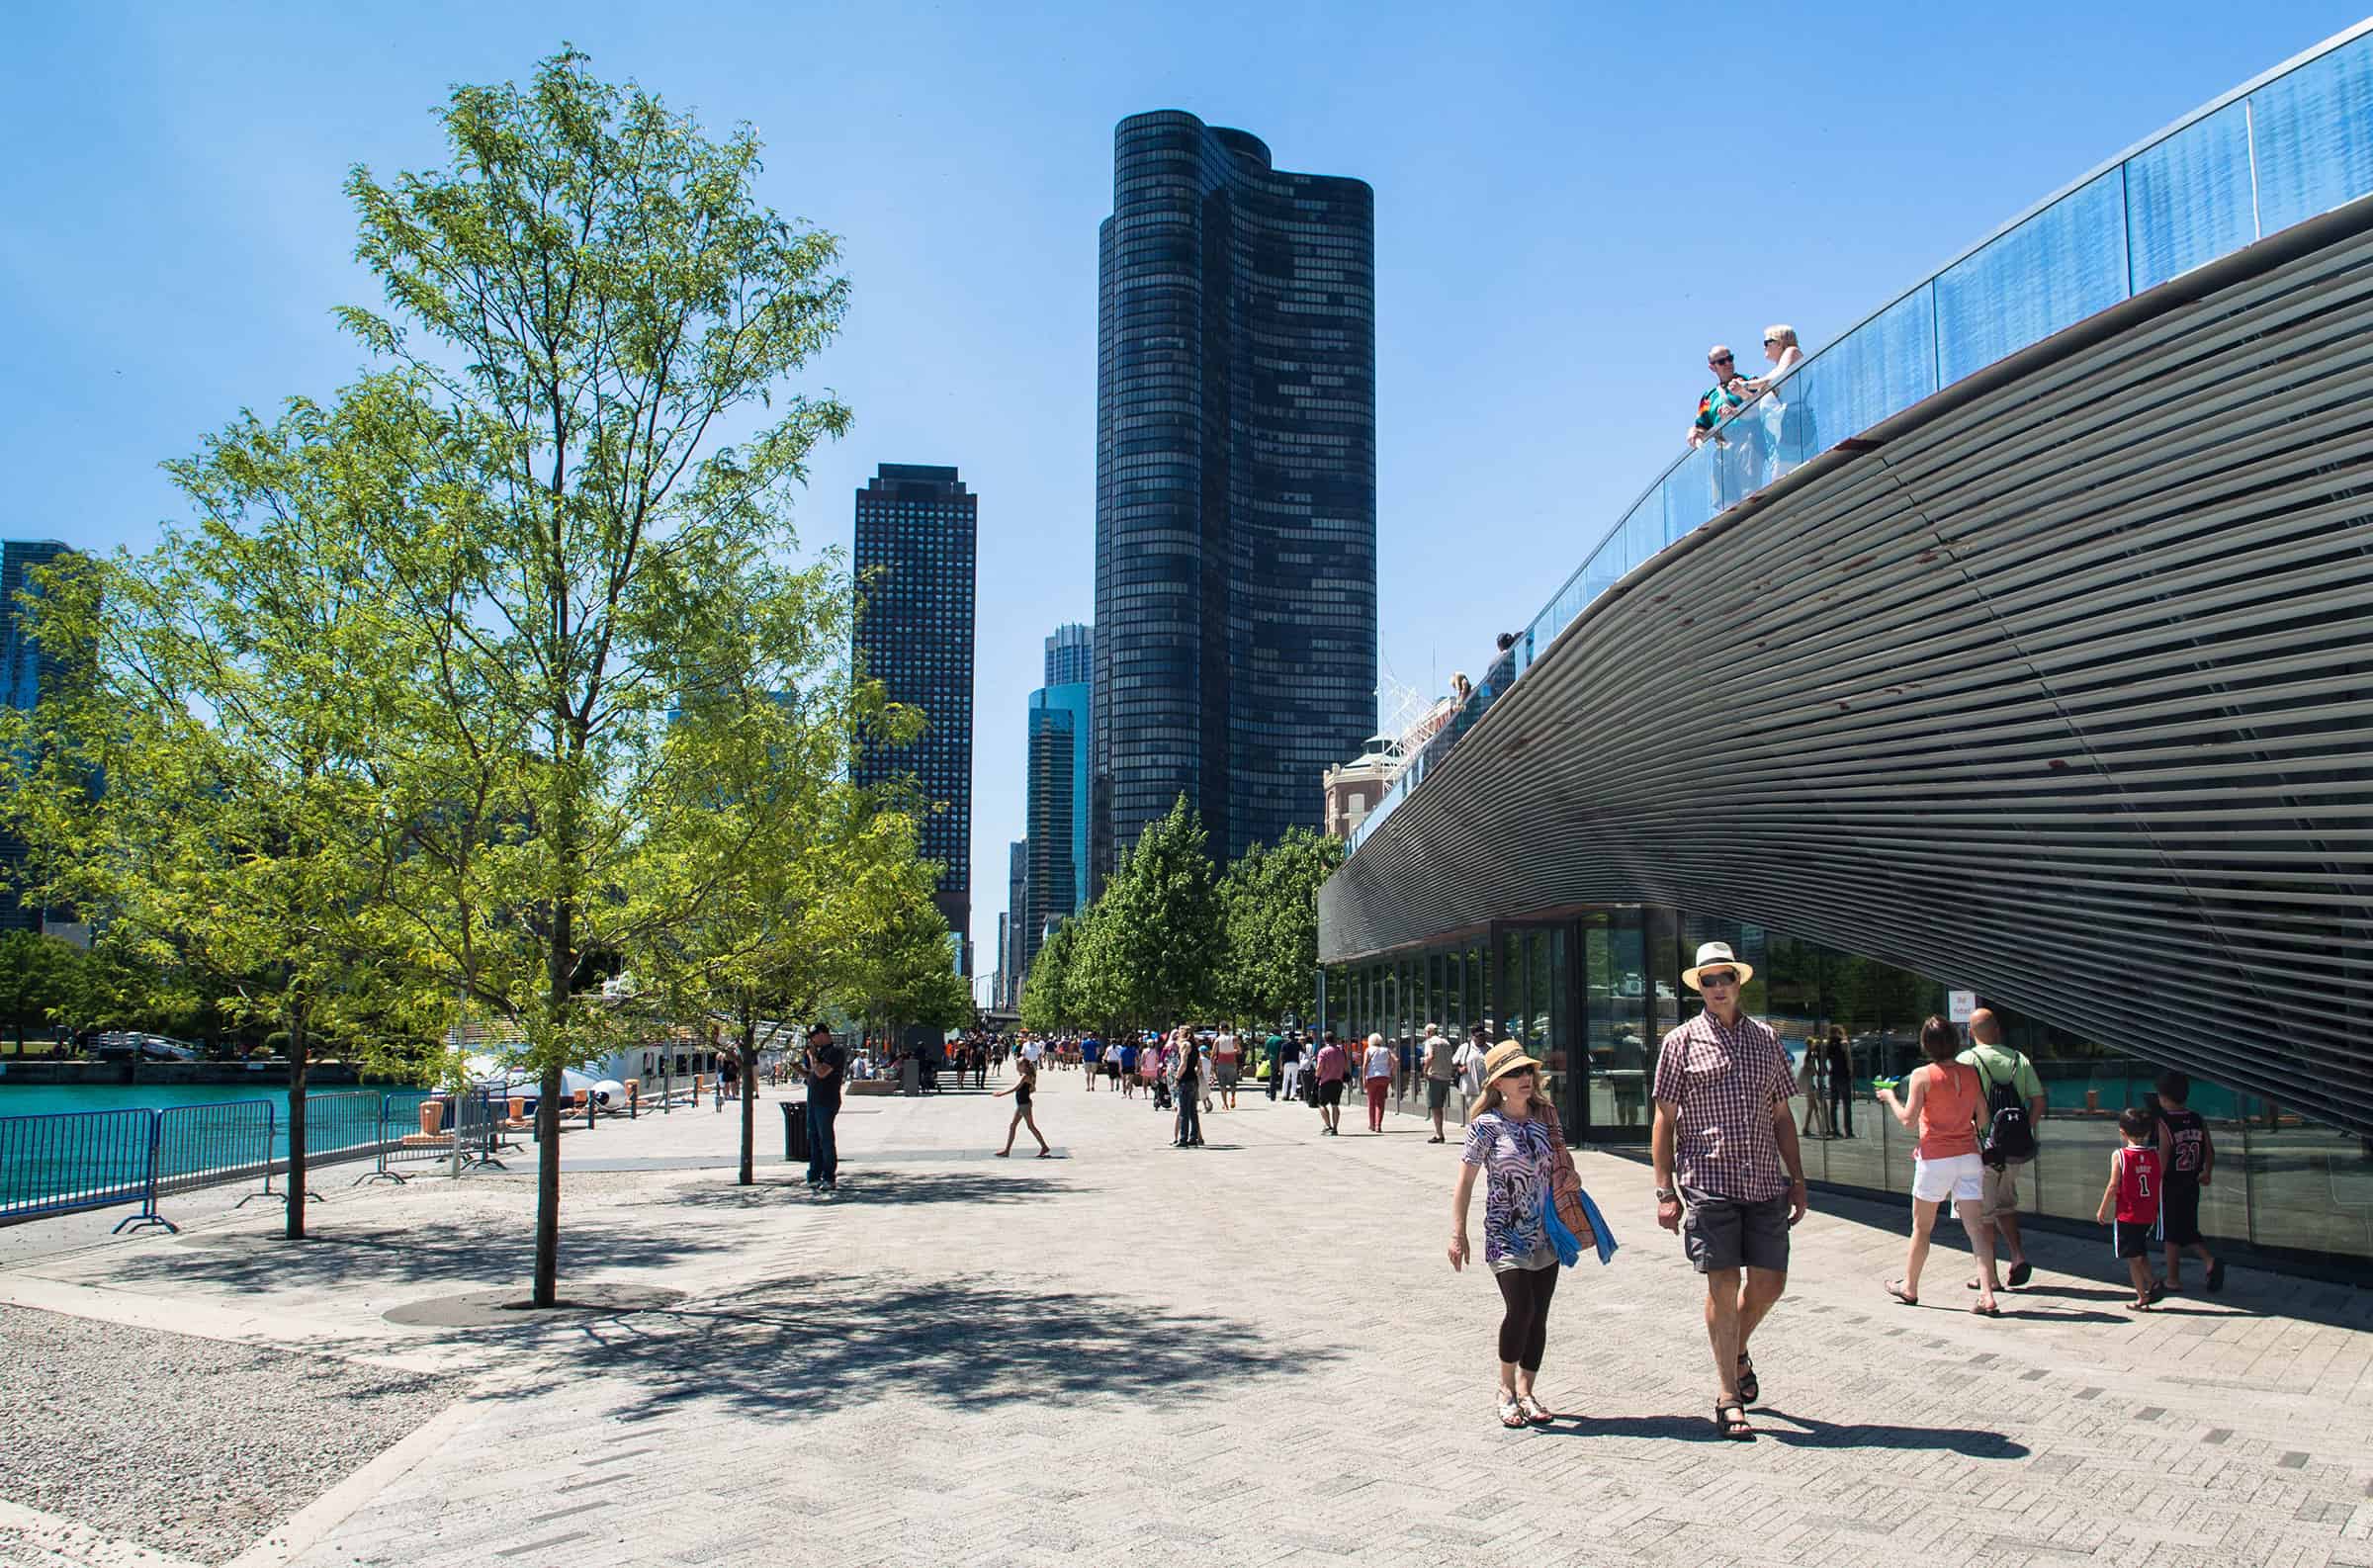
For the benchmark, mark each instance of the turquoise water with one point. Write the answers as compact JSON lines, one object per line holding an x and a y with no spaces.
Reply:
{"x":45,"y":1099}
{"x":49,"y":1157}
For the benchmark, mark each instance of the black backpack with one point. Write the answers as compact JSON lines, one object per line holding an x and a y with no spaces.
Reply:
{"x":2009,"y":1134}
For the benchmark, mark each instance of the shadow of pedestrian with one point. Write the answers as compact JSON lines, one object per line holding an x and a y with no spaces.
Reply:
{"x":802,"y":1345}
{"x":1969,"y":1442}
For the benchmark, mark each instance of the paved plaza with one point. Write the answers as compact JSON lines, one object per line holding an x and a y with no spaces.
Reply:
{"x":1251,"y":1354}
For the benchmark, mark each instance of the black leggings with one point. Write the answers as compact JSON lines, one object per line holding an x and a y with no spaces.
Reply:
{"x":1525,"y":1331}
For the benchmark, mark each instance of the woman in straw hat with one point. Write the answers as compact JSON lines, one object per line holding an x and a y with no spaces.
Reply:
{"x":1513,"y":1139}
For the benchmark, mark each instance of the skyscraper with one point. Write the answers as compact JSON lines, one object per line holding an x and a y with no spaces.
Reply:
{"x":1236,"y":489}
{"x":1018,"y":900}
{"x":917,"y":528}
{"x":29,"y":672}
{"x":1070,"y":654}
{"x":1056,"y":811}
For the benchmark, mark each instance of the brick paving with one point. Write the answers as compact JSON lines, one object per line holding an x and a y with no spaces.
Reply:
{"x":1253,"y":1354}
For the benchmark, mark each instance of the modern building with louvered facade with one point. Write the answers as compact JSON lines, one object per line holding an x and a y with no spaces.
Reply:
{"x":1236,"y":485}
{"x":2019,"y":643}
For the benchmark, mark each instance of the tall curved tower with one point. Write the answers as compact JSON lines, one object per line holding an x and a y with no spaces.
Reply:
{"x":1235,"y":486}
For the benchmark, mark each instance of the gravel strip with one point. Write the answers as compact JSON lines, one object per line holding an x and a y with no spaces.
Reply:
{"x":188,"y":1446}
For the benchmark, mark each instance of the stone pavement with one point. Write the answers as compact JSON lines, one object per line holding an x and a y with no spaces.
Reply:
{"x":1255,"y":1353}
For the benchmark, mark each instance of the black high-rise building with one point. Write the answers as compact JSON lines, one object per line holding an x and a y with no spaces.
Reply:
{"x":1236,"y":485}
{"x":1018,"y":902}
{"x":917,"y":529}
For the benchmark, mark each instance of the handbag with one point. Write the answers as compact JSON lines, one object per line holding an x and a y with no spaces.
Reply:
{"x":1566,"y":1210}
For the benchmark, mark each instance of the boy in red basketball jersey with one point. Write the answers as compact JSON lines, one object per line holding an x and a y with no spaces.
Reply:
{"x":2135,"y":1184}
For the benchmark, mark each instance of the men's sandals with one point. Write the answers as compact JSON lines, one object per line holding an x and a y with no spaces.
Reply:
{"x":1730,"y":1420}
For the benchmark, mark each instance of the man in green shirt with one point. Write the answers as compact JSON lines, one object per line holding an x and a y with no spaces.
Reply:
{"x":1998,"y":1063}
{"x":1725,"y":397}
{"x":1270,"y":1049}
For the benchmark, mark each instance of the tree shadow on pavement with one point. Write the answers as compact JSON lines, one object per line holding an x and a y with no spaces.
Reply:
{"x":874,"y":1187}
{"x":809,"y":1344}
{"x":454,"y":1252}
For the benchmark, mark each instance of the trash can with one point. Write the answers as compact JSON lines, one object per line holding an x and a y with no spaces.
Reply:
{"x":795,"y":1130}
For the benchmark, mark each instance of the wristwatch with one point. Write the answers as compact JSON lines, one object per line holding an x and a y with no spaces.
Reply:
{"x":1667,"y":1195}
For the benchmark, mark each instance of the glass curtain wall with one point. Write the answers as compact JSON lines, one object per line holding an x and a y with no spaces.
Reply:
{"x":1592,"y":998}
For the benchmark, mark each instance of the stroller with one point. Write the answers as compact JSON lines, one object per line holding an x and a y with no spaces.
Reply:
{"x":1162,"y":1100}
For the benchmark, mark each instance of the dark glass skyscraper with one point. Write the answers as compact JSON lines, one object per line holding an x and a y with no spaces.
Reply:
{"x":1236,"y":485}
{"x":917,"y":528}
{"x":1018,"y":902}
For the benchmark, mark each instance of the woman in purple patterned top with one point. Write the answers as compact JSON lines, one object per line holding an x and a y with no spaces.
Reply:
{"x":1512,"y":1140}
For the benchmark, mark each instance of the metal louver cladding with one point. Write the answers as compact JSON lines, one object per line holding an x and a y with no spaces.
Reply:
{"x":2058,"y":685}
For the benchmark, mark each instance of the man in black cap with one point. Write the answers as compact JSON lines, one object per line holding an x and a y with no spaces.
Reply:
{"x":826,"y":1065}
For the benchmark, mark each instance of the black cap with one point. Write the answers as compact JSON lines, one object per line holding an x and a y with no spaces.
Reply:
{"x":820,"y":1027}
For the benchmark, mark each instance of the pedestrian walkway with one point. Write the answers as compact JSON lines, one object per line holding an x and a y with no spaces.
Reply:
{"x":1253,"y":1353}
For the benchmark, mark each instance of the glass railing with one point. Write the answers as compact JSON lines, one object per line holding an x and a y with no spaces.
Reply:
{"x":2292,"y":145}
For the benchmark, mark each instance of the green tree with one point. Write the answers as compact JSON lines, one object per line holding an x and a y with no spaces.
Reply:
{"x":1148,"y":952}
{"x":785,"y":867}
{"x":593,"y":294}
{"x":38,"y":975}
{"x":1269,"y":902}
{"x":1045,"y":1005}
{"x":231,"y":688}
{"x":905,"y":975}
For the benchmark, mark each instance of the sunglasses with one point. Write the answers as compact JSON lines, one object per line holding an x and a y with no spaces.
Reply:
{"x":1724,"y":359}
{"x":1728,"y":977}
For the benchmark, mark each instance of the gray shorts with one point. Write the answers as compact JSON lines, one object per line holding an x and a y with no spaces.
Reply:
{"x":1227,"y":1075}
{"x":1721,"y":1234}
{"x":1437,"y":1093}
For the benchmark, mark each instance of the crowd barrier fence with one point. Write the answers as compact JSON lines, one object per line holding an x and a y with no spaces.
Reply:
{"x":70,"y":1161}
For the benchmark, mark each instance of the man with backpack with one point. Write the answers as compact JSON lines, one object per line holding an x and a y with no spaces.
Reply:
{"x":2014,"y":1109}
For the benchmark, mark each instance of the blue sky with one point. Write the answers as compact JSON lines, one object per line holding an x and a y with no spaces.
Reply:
{"x":1571,"y":202}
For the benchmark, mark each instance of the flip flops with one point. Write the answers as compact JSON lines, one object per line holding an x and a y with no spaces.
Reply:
{"x":1894,"y":1288}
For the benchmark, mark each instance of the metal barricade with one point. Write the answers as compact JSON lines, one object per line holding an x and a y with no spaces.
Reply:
{"x":412,"y":1130}
{"x":479,"y":1131}
{"x":342,"y":1128}
{"x":76,"y":1160}
{"x":203,"y":1146}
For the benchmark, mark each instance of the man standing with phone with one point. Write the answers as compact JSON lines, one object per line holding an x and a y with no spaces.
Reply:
{"x":827,"y":1062}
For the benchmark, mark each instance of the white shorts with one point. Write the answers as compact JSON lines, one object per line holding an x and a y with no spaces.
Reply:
{"x":1958,"y":1177}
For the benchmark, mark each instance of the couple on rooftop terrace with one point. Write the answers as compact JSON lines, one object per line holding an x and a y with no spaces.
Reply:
{"x":1733,"y":392}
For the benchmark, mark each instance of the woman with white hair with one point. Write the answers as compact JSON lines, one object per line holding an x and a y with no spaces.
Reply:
{"x":1781,"y":348}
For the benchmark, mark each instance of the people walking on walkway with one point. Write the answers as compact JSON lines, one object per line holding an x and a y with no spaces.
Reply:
{"x":1092,"y":1056}
{"x":2129,"y":1203}
{"x":1271,"y":1050}
{"x":1189,"y":1081}
{"x":1375,"y":1072}
{"x":1227,"y":1064}
{"x":2013,"y":1122}
{"x":2187,"y":1157}
{"x":1730,"y":1175}
{"x":825,"y":1066}
{"x":1439,"y":1071}
{"x":1023,"y":1086}
{"x":1290,"y":1063}
{"x":1941,"y":1108}
{"x":1332,"y":1068}
{"x":1513,"y":1142}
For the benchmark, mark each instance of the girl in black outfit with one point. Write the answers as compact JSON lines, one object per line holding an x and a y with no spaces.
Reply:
{"x":1026,"y":1079}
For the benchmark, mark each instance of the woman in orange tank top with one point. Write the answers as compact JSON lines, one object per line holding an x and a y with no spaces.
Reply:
{"x":1943,"y":1106}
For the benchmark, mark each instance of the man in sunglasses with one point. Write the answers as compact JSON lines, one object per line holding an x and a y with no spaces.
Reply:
{"x":1729,"y":1176}
{"x":1726,"y":396}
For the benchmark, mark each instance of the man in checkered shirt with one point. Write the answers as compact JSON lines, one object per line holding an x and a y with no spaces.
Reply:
{"x":1729,"y":1174}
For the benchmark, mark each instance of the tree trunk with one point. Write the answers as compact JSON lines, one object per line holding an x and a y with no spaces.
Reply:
{"x":298,"y":1046}
{"x":747,"y":1052}
{"x":548,"y":1114}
